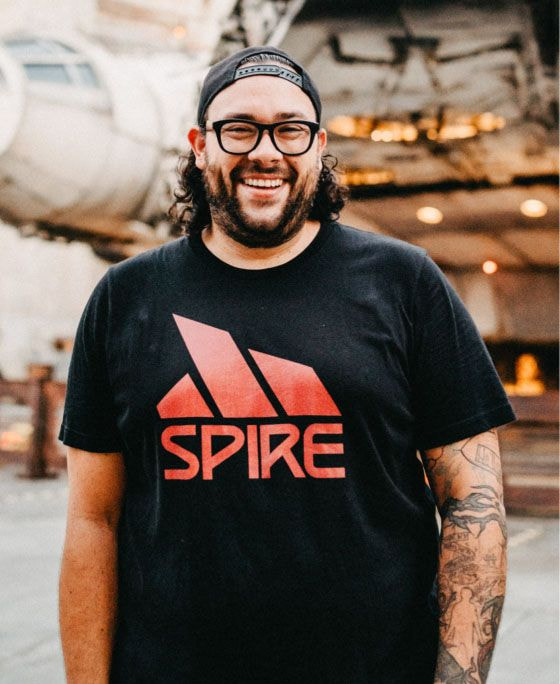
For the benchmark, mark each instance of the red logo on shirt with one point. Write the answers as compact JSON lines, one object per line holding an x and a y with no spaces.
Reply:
{"x":237,"y":393}
{"x":234,"y":387}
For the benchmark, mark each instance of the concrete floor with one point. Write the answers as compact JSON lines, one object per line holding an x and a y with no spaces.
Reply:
{"x":31,"y":535}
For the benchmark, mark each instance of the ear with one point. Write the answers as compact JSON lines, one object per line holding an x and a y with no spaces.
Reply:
{"x":197,"y":141}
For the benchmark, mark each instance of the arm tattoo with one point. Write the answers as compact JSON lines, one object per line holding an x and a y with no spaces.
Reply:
{"x":476,"y":510}
{"x":466,"y":479}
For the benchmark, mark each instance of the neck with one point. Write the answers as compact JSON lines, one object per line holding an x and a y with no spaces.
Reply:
{"x":235,"y":254}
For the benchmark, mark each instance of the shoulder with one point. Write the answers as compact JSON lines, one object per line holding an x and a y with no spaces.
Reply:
{"x":380,"y":251}
{"x":148,"y":266}
{"x":357,"y":239}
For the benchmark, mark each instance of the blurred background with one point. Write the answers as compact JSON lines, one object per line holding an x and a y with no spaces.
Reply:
{"x":444,"y":118}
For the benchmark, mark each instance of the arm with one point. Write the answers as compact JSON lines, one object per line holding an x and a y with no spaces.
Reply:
{"x":88,"y":578}
{"x":466,"y":479}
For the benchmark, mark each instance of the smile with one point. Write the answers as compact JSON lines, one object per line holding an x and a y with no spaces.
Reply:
{"x":263,"y":183}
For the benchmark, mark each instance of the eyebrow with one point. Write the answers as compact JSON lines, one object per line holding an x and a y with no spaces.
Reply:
{"x":281,"y":116}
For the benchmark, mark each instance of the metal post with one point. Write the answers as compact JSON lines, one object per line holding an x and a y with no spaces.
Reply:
{"x":36,"y":466}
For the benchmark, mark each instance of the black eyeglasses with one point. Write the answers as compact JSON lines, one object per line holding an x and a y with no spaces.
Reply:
{"x":238,"y":136}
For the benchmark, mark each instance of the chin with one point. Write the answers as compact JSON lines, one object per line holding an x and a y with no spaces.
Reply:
{"x":263,"y":224}
{"x":263,"y":217}
{"x":255,"y":233}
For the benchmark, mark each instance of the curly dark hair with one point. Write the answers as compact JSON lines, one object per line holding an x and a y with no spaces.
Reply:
{"x":190,"y":212}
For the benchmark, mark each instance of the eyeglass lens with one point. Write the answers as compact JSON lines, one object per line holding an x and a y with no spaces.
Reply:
{"x":290,"y":137}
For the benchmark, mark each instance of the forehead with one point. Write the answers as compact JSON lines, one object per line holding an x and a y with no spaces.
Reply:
{"x":264,"y":98}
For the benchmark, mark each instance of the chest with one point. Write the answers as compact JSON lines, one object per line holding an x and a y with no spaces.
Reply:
{"x":267,"y":352}
{"x":282,"y":384}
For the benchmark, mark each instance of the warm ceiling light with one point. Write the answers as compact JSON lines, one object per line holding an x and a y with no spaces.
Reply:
{"x":458,"y":131}
{"x":448,"y":127}
{"x":533,"y":208}
{"x":343,"y":125}
{"x":366,"y":176}
{"x":429,"y":215}
{"x":489,"y":267}
{"x":488,"y":122}
{"x":410,"y":133}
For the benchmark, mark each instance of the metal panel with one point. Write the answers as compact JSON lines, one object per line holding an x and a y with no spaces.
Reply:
{"x":464,"y":249}
{"x":540,"y":245}
{"x":478,"y":295}
{"x":528,"y":306}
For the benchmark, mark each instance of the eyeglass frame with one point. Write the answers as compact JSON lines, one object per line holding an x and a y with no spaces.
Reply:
{"x":217,"y":126}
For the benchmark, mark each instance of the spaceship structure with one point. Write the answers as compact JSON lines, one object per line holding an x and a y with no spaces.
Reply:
{"x":416,"y":98}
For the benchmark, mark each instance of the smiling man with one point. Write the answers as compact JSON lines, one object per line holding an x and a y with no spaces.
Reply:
{"x":261,"y":163}
{"x":244,"y":411}
{"x":260,"y":204}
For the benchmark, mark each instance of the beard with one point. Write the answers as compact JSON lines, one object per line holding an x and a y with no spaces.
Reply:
{"x":227,"y":213}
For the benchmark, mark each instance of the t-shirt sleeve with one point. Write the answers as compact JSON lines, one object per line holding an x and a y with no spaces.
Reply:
{"x":457,"y":391}
{"x":89,"y":419}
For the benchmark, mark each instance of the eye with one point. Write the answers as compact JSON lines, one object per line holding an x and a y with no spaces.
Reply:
{"x":292,"y":130}
{"x":238,"y":129}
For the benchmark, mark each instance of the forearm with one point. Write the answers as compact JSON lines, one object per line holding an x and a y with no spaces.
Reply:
{"x":467,"y":481}
{"x":472,"y":573}
{"x":88,"y":600}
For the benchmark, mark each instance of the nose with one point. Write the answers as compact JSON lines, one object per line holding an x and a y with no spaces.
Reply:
{"x":265,"y":150}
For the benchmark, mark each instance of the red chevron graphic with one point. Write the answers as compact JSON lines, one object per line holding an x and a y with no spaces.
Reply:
{"x":183,"y":401}
{"x":234,"y":387}
{"x":297,"y":386}
{"x":224,"y":370}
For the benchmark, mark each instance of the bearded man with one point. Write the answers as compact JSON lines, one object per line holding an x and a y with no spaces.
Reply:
{"x":245,"y":406}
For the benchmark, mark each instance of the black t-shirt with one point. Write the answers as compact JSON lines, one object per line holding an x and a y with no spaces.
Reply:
{"x":276,"y":525}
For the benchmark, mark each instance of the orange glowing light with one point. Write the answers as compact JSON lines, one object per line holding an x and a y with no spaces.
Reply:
{"x":527,"y":382}
{"x":533,"y":208}
{"x":489,"y":267}
{"x":431,"y":215}
{"x":452,"y":127}
{"x":367,"y":176}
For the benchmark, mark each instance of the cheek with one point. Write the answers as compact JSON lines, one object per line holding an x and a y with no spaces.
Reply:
{"x":318,"y":160}
{"x":219,"y":171}
{"x":227,"y":168}
{"x":217,"y":161}
{"x":309,"y":173}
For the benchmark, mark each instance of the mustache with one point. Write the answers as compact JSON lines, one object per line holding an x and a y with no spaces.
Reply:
{"x":276,"y":171}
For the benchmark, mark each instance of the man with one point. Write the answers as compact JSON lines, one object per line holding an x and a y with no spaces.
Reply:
{"x":243,"y":414}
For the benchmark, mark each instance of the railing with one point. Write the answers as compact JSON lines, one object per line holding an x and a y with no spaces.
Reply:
{"x":530,"y":456}
{"x":30,"y":416}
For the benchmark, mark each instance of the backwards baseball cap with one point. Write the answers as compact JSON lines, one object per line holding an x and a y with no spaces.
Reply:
{"x":228,"y":70}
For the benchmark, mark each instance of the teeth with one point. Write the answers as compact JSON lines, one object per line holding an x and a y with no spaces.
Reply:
{"x":262,"y":183}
